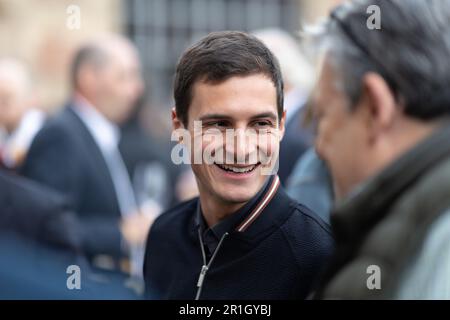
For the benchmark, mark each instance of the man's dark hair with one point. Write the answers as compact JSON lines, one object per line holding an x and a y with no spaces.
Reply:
{"x":219,"y":56}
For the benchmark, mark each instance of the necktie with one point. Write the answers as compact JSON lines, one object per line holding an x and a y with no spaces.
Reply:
{"x":122,"y":183}
{"x":127,"y":203}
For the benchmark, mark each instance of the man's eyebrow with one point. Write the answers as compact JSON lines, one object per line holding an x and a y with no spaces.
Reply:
{"x":214,"y":116}
{"x":271,"y":115}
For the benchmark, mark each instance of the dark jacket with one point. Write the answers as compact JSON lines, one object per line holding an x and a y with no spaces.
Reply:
{"x":39,"y":239}
{"x":65,"y":157}
{"x":384,"y":224}
{"x":278,"y":256}
{"x":36,"y":213}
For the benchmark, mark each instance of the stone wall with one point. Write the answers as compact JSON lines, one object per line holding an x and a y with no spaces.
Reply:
{"x":37,"y":32}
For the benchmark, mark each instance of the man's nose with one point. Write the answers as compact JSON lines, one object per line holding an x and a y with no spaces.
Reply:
{"x":244,"y":145}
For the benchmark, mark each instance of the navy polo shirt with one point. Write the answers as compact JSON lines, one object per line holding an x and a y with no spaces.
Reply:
{"x":276,"y":248}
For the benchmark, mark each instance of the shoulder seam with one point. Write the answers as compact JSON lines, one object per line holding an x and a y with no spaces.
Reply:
{"x":322,"y":224}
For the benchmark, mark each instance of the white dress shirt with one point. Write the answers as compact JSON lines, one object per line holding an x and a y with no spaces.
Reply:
{"x":293,"y":100}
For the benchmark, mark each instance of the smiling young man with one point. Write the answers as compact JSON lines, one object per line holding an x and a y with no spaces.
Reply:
{"x":243,"y":237}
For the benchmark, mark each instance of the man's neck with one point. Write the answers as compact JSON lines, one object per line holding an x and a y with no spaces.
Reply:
{"x":215,"y":210}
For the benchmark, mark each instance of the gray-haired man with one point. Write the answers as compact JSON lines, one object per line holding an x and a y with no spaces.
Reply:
{"x":383,"y":102}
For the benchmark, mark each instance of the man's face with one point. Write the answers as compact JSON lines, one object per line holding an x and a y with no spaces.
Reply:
{"x":239,"y":123}
{"x":341,"y":133}
{"x":119,"y":84}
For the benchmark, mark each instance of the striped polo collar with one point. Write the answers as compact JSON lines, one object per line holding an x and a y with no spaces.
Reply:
{"x":265,"y":198}
{"x":243,"y":218}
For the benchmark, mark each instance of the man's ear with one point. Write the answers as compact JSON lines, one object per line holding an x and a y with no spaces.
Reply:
{"x":379,"y":103}
{"x":176,"y":122}
{"x":87,"y":79}
{"x":282,"y":125}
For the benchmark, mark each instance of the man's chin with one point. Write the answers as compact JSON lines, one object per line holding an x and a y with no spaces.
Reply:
{"x":238,"y":194}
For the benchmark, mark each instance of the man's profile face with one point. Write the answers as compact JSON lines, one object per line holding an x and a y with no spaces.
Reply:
{"x":246,"y":107}
{"x":341,"y":133}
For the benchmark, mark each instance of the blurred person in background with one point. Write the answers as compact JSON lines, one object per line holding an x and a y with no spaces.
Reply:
{"x":384,"y":131}
{"x":306,"y":178}
{"x":39,"y":240}
{"x":76,"y":153}
{"x":20,"y":120}
{"x":298,"y":77}
{"x":310,"y":183}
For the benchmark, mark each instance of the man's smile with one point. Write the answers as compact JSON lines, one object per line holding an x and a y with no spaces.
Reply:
{"x":238,"y":169}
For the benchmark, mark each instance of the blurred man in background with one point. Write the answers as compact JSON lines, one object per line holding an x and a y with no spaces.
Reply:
{"x":310,"y":183}
{"x":20,"y":120}
{"x":298,"y":77}
{"x":305,"y":181}
{"x":77,"y":152}
{"x":384,"y":131}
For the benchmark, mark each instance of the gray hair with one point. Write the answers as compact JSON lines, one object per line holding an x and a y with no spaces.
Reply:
{"x":411,"y":51}
{"x":96,"y":53}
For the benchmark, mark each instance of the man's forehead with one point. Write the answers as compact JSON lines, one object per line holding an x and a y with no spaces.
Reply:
{"x":324,"y":85}
{"x":326,"y":75}
{"x":316,"y":94}
{"x":235,"y":92}
{"x":237,"y":81}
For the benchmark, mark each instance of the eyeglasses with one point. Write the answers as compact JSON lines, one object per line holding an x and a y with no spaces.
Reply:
{"x":352,"y":37}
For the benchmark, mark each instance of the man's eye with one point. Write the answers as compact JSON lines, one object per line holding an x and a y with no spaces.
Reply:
{"x":263,"y":123}
{"x":220,"y":124}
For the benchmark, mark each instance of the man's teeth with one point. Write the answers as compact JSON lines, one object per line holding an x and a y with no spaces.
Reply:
{"x":237,"y":169}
